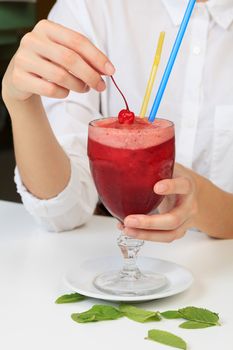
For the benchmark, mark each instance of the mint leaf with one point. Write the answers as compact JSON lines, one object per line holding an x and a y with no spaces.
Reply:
{"x":166,"y":338}
{"x":171,"y":314}
{"x":192,"y":313}
{"x":97,"y":313}
{"x":195,"y":325}
{"x":139,"y":315}
{"x":70,"y":298}
{"x":83,"y":318}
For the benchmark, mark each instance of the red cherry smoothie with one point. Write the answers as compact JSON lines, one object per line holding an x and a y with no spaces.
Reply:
{"x":127,"y":160}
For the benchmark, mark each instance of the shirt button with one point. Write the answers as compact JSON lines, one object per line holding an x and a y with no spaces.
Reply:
{"x":196,"y":50}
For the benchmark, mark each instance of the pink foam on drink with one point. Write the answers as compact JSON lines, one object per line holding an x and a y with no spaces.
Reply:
{"x":140,"y":134}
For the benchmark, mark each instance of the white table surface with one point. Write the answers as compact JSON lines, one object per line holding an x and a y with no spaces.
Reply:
{"x":32,"y":263}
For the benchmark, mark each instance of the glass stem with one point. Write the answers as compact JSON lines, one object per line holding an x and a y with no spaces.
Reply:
{"x":129,"y":248}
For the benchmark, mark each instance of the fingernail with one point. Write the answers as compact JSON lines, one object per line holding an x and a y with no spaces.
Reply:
{"x":132,"y":222}
{"x":161,"y":188}
{"x":101,"y":86}
{"x":109,"y":68}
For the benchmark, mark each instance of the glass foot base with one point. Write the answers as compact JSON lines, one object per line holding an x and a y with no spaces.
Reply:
{"x":114,"y":282}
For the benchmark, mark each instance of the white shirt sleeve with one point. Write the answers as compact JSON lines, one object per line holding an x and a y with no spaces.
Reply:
{"x":71,"y":208}
{"x":69,"y":119}
{"x":76,"y":203}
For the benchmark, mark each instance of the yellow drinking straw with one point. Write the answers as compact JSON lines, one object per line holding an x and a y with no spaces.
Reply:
{"x":152,"y":75}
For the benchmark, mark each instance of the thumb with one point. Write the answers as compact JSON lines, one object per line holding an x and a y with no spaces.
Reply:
{"x":180,"y":185}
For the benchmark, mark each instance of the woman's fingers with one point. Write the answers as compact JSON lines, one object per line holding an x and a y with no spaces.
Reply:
{"x":180,"y":185}
{"x":165,"y":236}
{"x":50,"y":72}
{"x":61,"y":58}
{"x":168,"y":221}
{"x":38,"y":86}
{"x":77,"y":43}
{"x":69,"y":60}
{"x":156,"y":236}
{"x":173,"y":223}
{"x":74,"y":63}
{"x":183,"y":211}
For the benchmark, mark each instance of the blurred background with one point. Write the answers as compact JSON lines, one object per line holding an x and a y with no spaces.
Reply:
{"x":16,"y":19}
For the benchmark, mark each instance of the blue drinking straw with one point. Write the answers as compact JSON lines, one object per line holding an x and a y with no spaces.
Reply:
{"x":171,"y":60}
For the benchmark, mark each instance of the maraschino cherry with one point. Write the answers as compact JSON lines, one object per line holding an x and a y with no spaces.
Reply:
{"x":125,"y":116}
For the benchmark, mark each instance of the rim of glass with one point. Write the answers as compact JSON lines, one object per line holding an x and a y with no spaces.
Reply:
{"x":171,"y":124}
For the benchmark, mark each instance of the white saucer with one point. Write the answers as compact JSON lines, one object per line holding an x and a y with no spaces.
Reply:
{"x":80,"y":280}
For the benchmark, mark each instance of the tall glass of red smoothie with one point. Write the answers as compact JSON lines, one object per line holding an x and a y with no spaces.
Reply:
{"x":126,"y":161}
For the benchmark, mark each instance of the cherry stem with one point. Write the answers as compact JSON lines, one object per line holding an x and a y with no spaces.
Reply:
{"x":127,"y":107}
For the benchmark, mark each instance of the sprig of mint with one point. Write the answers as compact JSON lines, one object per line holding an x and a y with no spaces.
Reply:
{"x":97,"y":313}
{"x":196,"y":317}
{"x":196,"y":314}
{"x":70,"y":298}
{"x":166,"y":338}
{"x":139,"y":315}
{"x":195,"y":325}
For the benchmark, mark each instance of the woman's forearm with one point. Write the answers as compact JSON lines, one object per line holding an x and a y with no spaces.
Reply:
{"x":43,"y":165}
{"x":51,"y":61}
{"x":215,"y":209}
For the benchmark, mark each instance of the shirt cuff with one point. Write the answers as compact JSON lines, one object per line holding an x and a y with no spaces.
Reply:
{"x":77,"y":193}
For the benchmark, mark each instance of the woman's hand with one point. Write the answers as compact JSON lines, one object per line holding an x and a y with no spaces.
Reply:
{"x":51,"y":61}
{"x":177,"y":211}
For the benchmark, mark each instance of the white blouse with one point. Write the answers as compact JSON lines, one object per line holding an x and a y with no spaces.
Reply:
{"x":198,"y":98}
